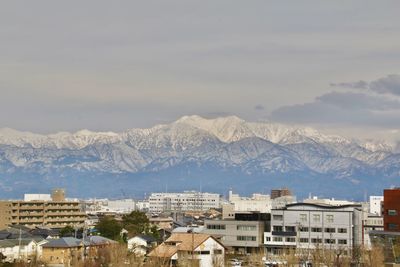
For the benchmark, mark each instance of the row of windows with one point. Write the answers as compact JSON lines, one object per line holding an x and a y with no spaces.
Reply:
{"x":216,"y":226}
{"x":279,"y":228}
{"x":304,"y":218}
{"x":246,"y":228}
{"x":307,"y":240}
{"x":246,"y":238}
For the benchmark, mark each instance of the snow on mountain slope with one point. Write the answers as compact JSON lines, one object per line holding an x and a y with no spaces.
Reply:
{"x":227,"y":141}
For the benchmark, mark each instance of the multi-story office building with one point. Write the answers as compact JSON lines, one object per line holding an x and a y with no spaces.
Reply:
{"x":186,"y":201}
{"x":54,"y":213}
{"x":391,"y":214}
{"x":308,"y":226}
{"x":243,"y":232}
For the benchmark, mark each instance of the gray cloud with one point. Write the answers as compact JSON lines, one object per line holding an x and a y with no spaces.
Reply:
{"x":343,"y":108}
{"x":386,"y":85}
{"x":358,"y":101}
{"x":259,"y":107}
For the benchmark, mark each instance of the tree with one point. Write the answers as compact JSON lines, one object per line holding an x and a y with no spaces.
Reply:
{"x":137,"y":222}
{"x":67,"y":231}
{"x":110,"y":228}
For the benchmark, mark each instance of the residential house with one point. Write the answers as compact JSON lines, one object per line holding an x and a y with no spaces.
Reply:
{"x":200,"y":249}
{"x":141,"y":244}
{"x":62,"y":252}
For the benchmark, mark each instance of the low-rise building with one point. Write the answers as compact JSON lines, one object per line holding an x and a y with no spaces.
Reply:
{"x":200,"y":250}
{"x":66,"y":251}
{"x":243,"y":233}
{"x":141,"y":244}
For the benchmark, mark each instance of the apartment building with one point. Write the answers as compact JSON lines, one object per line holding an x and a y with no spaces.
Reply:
{"x":54,"y":213}
{"x":309,"y":225}
{"x":186,"y":201}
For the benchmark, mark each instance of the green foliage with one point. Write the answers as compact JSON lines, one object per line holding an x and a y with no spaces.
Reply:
{"x":110,"y":228}
{"x":137,"y":222}
{"x":67,"y":231}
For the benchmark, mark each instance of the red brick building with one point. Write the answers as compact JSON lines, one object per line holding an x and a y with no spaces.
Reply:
{"x":391,"y":214}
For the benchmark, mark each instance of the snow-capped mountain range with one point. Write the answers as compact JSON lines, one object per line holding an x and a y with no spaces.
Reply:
{"x":220,"y":153}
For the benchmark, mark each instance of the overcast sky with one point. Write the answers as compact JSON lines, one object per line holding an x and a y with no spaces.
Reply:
{"x":114,"y":65}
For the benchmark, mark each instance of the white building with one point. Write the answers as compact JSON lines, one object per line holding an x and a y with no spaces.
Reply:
{"x":122,"y":205}
{"x":141,"y":244}
{"x":375,"y":205}
{"x":257,"y":202}
{"x":188,"y":200}
{"x":14,"y":249}
{"x":37,"y":197}
{"x":202,"y":248}
{"x":309,"y":225}
{"x":328,"y":201}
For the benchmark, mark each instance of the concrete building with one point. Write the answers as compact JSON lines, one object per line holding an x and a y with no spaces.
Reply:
{"x":204,"y":250}
{"x":309,"y":225}
{"x":56,"y":213}
{"x":186,"y":201}
{"x":257,"y":202}
{"x":275,"y":193}
{"x":243,"y":233}
{"x":375,"y":205}
{"x":391,"y":212}
{"x":328,"y":201}
{"x":371,"y":223}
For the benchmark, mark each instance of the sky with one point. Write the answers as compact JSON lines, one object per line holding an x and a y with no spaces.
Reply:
{"x":115,"y":65}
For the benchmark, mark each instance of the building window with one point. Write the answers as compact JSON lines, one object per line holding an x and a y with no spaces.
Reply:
{"x":277,"y":239}
{"x":304,"y":229}
{"x":393,"y":226}
{"x":277,"y":228}
{"x":342,"y":230}
{"x":277,"y":217}
{"x":246,"y":238}
{"x":330,"y":230}
{"x":316,"y":229}
{"x":246,"y":227}
{"x":303,"y":240}
{"x":267,"y":239}
{"x":330,"y":241}
{"x":329,"y":218}
{"x":217,"y":251}
{"x":342,"y":241}
{"x":216,"y":226}
{"x":316,"y":218}
{"x":290,"y":239}
{"x":290,"y":229}
{"x":316,"y":240}
{"x":303,"y":217}
{"x":392,"y":212}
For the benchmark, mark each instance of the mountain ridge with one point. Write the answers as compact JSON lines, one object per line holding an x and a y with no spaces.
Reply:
{"x":256,"y":150}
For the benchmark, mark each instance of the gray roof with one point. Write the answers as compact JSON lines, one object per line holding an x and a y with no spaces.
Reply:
{"x":15,"y":242}
{"x":64,"y":242}
{"x":147,"y":238}
{"x":98,"y":240}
